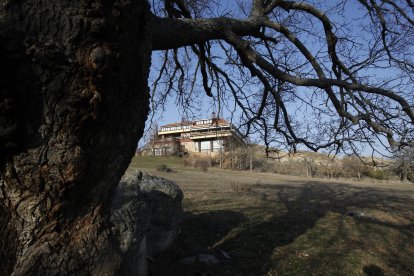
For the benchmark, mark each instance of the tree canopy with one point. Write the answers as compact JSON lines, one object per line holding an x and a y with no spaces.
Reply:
{"x":334,"y":75}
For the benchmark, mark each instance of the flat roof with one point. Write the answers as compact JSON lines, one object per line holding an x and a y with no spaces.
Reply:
{"x":189,"y":126}
{"x":197,"y":122}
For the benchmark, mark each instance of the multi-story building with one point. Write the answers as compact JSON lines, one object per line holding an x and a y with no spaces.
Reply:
{"x":207,"y":136}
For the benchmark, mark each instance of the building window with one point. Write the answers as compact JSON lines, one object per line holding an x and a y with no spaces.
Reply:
{"x":205,"y":146}
{"x":217,"y":145}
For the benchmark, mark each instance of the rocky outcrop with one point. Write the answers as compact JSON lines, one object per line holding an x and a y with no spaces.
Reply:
{"x":146,"y":212}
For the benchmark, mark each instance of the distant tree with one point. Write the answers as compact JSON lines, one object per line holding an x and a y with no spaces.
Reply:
{"x":74,"y":99}
{"x":404,"y":163}
{"x":330,"y":168}
{"x":352,"y":166}
{"x":311,"y":167}
{"x":154,"y":137}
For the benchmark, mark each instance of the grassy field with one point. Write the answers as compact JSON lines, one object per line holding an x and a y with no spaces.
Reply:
{"x":267,"y":224}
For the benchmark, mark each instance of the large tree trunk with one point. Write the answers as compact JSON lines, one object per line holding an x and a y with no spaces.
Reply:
{"x":73,"y":104}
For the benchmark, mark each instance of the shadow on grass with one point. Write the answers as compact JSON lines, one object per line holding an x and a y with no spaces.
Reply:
{"x":373,"y":270}
{"x":251,"y":246}
{"x":198,"y":234}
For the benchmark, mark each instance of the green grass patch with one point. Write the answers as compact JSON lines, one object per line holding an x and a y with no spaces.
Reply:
{"x":152,"y":162}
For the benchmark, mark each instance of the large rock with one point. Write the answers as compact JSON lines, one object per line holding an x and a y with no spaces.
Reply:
{"x":130,"y":217}
{"x":146,"y":212}
{"x":163,"y":198}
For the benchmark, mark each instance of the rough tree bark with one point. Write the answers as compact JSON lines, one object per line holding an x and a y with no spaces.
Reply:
{"x":73,"y":103}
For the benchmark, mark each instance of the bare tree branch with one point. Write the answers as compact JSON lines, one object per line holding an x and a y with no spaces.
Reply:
{"x":293,"y":55}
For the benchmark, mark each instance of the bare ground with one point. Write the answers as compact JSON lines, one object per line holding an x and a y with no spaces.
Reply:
{"x":242,"y":223}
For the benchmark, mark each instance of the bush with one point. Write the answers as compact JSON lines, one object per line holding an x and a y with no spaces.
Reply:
{"x":163,"y":168}
{"x":352,"y":166}
{"x":198,"y":162}
{"x":377,"y":174}
{"x":410,"y":177}
{"x":330,"y":170}
{"x":187,"y":161}
{"x":201,"y":163}
{"x":266,"y":166}
{"x":291,"y":167}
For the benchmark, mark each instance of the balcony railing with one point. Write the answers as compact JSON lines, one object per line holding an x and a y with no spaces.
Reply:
{"x":201,"y":134}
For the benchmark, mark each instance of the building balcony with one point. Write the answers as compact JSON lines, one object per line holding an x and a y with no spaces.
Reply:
{"x":209,"y":134}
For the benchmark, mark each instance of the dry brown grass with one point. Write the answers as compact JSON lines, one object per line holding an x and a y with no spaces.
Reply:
{"x":284,"y":225}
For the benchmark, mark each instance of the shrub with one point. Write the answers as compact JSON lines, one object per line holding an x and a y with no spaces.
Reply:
{"x":201,"y":163}
{"x":266,"y":166}
{"x":377,"y":174}
{"x":330,"y":170}
{"x":186,"y":161}
{"x":163,"y":168}
{"x":352,"y":166}
{"x":291,"y":167}
{"x":410,"y":177}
